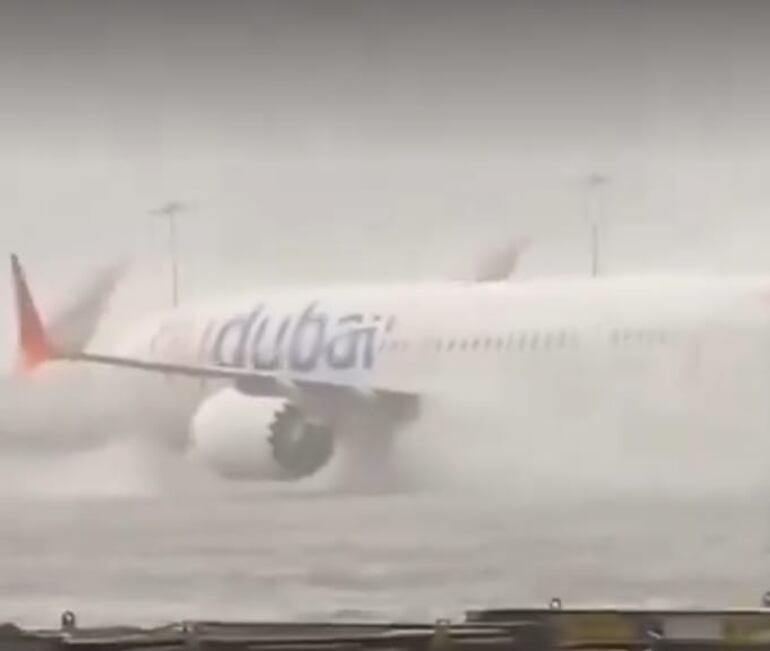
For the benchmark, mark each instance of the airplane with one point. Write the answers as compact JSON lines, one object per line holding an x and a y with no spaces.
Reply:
{"x":346,"y":369}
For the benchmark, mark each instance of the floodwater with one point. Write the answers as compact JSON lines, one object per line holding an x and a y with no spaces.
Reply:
{"x":245,"y":551}
{"x":495,"y":518}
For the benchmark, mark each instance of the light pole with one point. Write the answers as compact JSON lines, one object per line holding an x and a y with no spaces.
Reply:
{"x":594,"y":182}
{"x":169,"y":212}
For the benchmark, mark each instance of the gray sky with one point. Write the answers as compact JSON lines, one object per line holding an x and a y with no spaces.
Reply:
{"x":332,"y":140}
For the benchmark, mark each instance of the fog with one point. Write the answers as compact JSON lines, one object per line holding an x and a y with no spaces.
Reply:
{"x":374,"y":142}
{"x":369,"y":142}
{"x":420,"y":133}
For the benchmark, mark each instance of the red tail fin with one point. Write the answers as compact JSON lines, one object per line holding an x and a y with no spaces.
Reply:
{"x":34,"y":347}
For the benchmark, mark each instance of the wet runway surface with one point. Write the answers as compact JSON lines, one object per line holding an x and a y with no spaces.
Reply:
{"x":285,"y":553}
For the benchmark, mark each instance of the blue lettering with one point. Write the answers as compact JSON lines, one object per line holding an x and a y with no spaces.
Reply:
{"x":304,"y":356}
{"x":354,"y":347}
{"x":342,"y":350}
{"x":273,"y":358}
{"x":235,"y":332}
{"x":263,"y":342}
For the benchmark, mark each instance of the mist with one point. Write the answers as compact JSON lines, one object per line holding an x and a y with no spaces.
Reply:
{"x":420,"y":133}
{"x":376,"y":141}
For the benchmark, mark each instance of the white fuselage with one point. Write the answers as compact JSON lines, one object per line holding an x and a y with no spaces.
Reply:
{"x":566,"y":345}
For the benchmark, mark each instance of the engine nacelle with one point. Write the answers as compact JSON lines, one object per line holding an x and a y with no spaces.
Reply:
{"x":247,"y":438}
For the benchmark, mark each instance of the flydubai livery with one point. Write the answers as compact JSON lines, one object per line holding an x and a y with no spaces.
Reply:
{"x":350,"y":367}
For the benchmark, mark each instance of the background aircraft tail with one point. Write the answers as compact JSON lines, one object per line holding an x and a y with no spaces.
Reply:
{"x":498,"y":264}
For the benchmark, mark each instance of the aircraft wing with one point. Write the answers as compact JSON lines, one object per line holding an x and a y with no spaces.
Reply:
{"x":267,"y":383}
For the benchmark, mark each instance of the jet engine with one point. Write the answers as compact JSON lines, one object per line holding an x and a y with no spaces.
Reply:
{"x":247,"y":438}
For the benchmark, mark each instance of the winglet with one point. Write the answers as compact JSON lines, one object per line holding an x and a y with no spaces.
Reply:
{"x":34,"y":346}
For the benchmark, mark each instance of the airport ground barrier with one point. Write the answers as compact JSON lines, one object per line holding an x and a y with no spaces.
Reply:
{"x":516,"y":629}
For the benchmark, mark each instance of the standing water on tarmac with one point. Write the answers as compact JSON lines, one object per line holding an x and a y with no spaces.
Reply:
{"x":239,"y":551}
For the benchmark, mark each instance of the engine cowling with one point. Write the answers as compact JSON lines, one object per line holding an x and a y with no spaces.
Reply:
{"x":247,"y":438}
